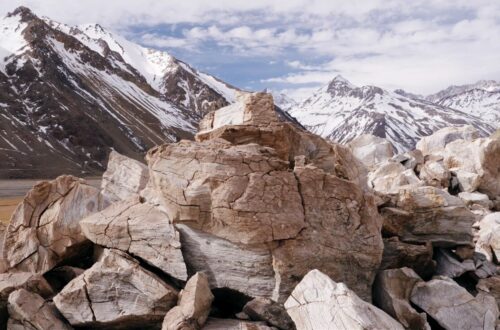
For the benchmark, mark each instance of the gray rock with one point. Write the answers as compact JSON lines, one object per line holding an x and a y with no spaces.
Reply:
{"x":263,"y":309}
{"x":448,"y":264}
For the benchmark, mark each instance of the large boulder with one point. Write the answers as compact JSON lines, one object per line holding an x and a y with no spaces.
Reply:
{"x":29,"y":311}
{"x":248,"y":200}
{"x":44,"y":229}
{"x":193,"y":306}
{"x":392,"y":290}
{"x":435,"y":174}
{"x":371,"y":150}
{"x":435,"y":143}
{"x":116,"y":292}
{"x":488,"y":241}
{"x":428,"y":214}
{"x":482,"y":157}
{"x":124,"y":178}
{"x":491,"y":286}
{"x":140,"y":229}
{"x":390,"y":177}
{"x":320,"y":303}
{"x":452,"y":307}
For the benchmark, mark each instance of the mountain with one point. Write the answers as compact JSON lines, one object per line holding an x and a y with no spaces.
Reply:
{"x":341,"y":111}
{"x":481,"y":99}
{"x":283,"y":101}
{"x":68,"y":95}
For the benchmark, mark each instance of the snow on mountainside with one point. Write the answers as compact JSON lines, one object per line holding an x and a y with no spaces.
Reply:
{"x":341,"y":111}
{"x":481,"y":99}
{"x":70,"y":94}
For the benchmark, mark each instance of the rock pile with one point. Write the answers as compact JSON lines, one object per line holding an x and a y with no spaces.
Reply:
{"x":258,"y":224}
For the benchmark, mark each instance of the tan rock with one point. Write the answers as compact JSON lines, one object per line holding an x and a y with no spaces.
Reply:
{"x":193,"y":307}
{"x":142,"y":230}
{"x":435,"y":174}
{"x":435,"y":143}
{"x":391,"y":177}
{"x":116,"y":291}
{"x":371,"y":150}
{"x":263,"y":309}
{"x":411,"y":160}
{"x":124,"y":178}
{"x":320,"y":303}
{"x":399,"y":254}
{"x":488,"y":241}
{"x":476,"y":199}
{"x":453,"y":307}
{"x":467,"y":181}
{"x":428,"y":214}
{"x":30,"y":311}
{"x":482,"y":157}
{"x":392,"y":290}
{"x":44,"y":229}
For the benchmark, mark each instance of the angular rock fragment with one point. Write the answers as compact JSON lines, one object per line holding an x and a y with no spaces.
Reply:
{"x":124,"y":178}
{"x":371,"y":150}
{"x":320,"y":303}
{"x":193,"y":307}
{"x":448,"y":265}
{"x":467,"y":181}
{"x":140,"y":229}
{"x":435,"y":174}
{"x":435,"y":143}
{"x":399,"y":254}
{"x":488,"y":241}
{"x":31,"y":312}
{"x":116,"y":292}
{"x":391,"y":177}
{"x":44,"y":229}
{"x":476,"y":199}
{"x":428,"y":214}
{"x":411,"y":160}
{"x":263,"y":309}
{"x":392,"y":290}
{"x":452,"y":307}
{"x":491,"y":286}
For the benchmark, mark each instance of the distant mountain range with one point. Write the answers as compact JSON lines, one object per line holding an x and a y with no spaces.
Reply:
{"x":70,"y":94}
{"x":341,"y":111}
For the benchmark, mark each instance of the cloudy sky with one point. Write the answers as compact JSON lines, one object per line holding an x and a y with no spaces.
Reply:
{"x":298,"y":45}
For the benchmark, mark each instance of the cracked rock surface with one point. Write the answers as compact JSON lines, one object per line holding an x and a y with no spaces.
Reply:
{"x":116,"y":292}
{"x":44,"y":229}
{"x":142,"y":230}
{"x":318,"y":302}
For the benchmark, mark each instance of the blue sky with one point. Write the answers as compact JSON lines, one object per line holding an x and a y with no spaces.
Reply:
{"x":297,"y":46}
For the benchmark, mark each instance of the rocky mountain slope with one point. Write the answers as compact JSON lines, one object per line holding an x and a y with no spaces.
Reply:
{"x":70,"y":94}
{"x":341,"y":111}
{"x":481,"y":99}
{"x":258,"y":224}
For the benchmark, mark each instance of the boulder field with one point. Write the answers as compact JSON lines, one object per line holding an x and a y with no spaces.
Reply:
{"x":259,"y":224}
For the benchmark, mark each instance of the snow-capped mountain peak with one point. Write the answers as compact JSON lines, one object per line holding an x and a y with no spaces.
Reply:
{"x":341,"y":111}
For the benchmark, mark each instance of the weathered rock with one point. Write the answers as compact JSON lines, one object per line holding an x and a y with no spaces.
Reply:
{"x":44,"y":229}
{"x":320,"y":303}
{"x":229,"y":324}
{"x":484,"y":267}
{"x":31,"y":312}
{"x":467,"y":181}
{"x":286,"y":139}
{"x":448,"y":265}
{"x":411,"y":160}
{"x":435,"y":143}
{"x":114,"y":292}
{"x":248,"y":197}
{"x":488,"y":241}
{"x":399,"y":254}
{"x":193,"y":307}
{"x":141,"y":229}
{"x":491,"y":286}
{"x":392,"y":290}
{"x":428,"y":214}
{"x":371,"y":150}
{"x":263,"y":309}
{"x":435,"y":174}
{"x":453,"y":307}
{"x":475,"y":198}
{"x":349,"y":251}
{"x":481,"y":156}
{"x":124,"y":178}
{"x":390,"y":177}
